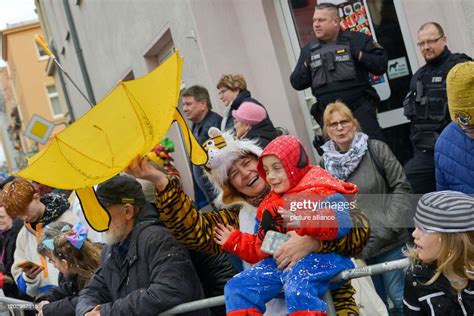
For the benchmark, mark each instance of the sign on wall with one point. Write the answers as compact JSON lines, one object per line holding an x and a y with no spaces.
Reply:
{"x":39,"y":129}
{"x":397,"y":68}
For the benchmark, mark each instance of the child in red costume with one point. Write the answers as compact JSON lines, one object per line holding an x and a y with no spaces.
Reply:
{"x":285,"y":166}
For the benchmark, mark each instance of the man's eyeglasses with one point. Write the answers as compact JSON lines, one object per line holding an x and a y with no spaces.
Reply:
{"x":343,"y":123}
{"x":222,"y":91}
{"x":429,"y":42}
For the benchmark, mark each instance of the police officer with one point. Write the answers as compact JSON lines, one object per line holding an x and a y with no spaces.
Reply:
{"x":336,"y":65}
{"x":426,"y":105}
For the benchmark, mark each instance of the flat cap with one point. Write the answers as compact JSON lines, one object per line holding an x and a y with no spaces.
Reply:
{"x":120,"y":190}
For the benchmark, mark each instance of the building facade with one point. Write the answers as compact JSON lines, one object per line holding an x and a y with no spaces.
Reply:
{"x":103,"y":42}
{"x":34,"y":92}
{"x":9,"y":125}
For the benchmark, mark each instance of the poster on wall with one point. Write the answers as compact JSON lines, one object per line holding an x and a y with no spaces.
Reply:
{"x":355,"y":17}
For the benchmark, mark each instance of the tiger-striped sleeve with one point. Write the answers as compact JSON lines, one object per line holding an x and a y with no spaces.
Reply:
{"x":352,"y":243}
{"x":191,"y":228}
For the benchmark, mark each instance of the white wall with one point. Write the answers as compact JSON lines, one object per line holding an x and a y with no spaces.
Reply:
{"x":452,"y":15}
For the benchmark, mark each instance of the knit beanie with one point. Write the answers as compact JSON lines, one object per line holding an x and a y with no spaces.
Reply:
{"x":223,"y":149}
{"x":446,"y":212}
{"x":250,"y":113}
{"x":292,"y":155}
{"x":460,"y":90}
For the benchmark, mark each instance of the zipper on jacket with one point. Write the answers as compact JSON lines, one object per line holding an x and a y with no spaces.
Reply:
{"x":461,"y":304}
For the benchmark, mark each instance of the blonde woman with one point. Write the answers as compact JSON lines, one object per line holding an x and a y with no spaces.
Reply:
{"x":440,"y":280}
{"x":351,"y":156}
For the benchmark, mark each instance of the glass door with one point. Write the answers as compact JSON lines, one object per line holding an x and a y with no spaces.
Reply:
{"x":379,"y":19}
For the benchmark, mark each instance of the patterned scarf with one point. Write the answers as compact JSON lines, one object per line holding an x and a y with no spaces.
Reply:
{"x":56,"y":204}
{"x":341,"y":165}
{"x":256,"y":200}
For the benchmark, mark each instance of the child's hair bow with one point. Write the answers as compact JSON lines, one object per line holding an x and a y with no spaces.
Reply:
{"x":78,"y":236}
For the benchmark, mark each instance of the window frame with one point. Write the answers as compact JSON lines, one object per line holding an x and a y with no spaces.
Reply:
{"x":50,"y":96}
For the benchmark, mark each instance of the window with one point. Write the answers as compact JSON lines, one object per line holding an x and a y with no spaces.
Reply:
{"x":41,"y":53}
{"x":54,"y":101}
{"x":161,"y":49}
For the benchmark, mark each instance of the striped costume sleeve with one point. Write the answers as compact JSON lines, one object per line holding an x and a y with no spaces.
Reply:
{"x":352,"y":243}
{"x":190,"y":227}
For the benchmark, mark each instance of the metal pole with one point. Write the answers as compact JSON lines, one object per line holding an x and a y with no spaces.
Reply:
{"x":371,"y":270}
{"x":78,"y":48}
{"x":16,"y":304}
{"x":331,"y":311}
{"x":72,"y":117}
{"x":192,"y":306}
{"x":72,"y":81}
{"x":40,"y":40}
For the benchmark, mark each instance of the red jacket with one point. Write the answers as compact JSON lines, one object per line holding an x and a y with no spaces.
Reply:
{"x":316,"y":184}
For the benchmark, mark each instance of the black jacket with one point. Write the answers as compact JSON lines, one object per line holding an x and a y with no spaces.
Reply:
{"x":245,"y":96}
{"x":264,"y":132}
{"x":374,"y":60}
{"x":62,"y":298}
{"x":147,"y":274}
{"x":8,"y":246}
{"x":201,"y":182}
{"x":427,"y":126}
{"x":438,"y":299}
{"x":214,"y":270}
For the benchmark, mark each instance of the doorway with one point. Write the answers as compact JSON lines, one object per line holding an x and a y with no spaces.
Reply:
{"x":384,"y":20}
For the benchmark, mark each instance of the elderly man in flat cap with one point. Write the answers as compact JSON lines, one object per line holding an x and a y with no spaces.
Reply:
{"x":454,"y":150}
{"x":144,"y":270}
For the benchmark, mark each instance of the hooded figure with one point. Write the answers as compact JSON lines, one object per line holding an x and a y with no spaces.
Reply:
{"x":285,"y":167}
{"x":454,"y":149}
{"x":238,"y":208}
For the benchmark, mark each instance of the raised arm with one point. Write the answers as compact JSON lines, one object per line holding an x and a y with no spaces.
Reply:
{"x":190,"y":227}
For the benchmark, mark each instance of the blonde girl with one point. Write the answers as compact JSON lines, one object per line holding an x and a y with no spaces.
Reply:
{"x":440,"y":280}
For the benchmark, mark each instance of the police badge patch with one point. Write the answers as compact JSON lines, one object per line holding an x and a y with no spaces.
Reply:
{"x":463,"y":118}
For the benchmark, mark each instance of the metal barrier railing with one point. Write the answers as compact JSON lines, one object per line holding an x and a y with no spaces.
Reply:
{"x":344,"y":275}
{"x":15,"y":305}
{"x":219,"y":300}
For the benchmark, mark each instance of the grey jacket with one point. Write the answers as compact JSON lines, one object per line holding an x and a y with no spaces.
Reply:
{"x":386,"y":202}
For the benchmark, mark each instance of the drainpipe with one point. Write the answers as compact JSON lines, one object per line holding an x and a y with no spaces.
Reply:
{"x":78,"y":49}
{"x":63,"y":84}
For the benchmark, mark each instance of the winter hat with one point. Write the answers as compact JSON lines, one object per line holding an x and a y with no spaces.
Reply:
{"x":250,"y":113}
{"x":460,"y":90}
{"x":292,"y":155}
{"x":121,"y":190}
{"x":446,"y":212}
{"x":223,"y":150}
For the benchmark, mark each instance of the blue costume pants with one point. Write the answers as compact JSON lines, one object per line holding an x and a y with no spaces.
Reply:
{"x":304,"y":284}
